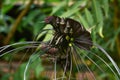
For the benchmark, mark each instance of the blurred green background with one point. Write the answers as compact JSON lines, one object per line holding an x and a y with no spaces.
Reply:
{"x":22,"y":20}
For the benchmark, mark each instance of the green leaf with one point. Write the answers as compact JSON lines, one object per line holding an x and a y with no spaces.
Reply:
{"x":48,"y":33}
{"x":41,"y":34}
{"x":105,"y":6}
{"x":58,"y":7}
{"x":97,"y":11}
{"x":31,"y":16}
{"x":89,"y":17}
{"x":36,"y":64}
{"x":93,"y":35}
{"x":78,"y":4}
{"x":98,"y":17}
{"x":52,"y":1}
{"x":101,"y":30}
{"x":8,"y":5}
{"x":38,"y":25}
{"x":83,"y":21}
{"x":48,"y":36}
{"x":20,"y":72}
{"x":70,"y":12}
{"x":73,"y":9}
{"x":38,"y":70}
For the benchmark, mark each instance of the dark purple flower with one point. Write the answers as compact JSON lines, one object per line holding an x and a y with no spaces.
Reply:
{"x":68,"y":32}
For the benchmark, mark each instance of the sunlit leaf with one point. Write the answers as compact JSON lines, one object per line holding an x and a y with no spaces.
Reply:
{"x":73,"y":9}
{"x":79,"y":4}
{"x":101,"y":30}
{"x":58,"y":7}
{"x":70,"y":12}
{"x":8,"y":4}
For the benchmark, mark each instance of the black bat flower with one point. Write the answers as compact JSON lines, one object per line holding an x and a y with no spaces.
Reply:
{"x":69,"y":31}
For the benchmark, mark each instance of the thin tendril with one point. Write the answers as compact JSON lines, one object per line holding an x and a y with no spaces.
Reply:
{"x":70,"y":64}
{"x":55,"y":69}
{"x":65,"y":68}
{"x":24,"y":47}
{"x":85,"y":64}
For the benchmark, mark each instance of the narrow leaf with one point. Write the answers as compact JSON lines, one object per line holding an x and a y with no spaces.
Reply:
{"x":97,"y":11}
{"x":70,"y":12}
{"x":89,"y":17}
{"x":105,"y":7}
{"x":83,"y":21}
{"x":98,"y":16}
{"x":101,"y":30}
{"x":74,"y":8}
{"x":79,"y":3}
{"x":58,"y":7}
